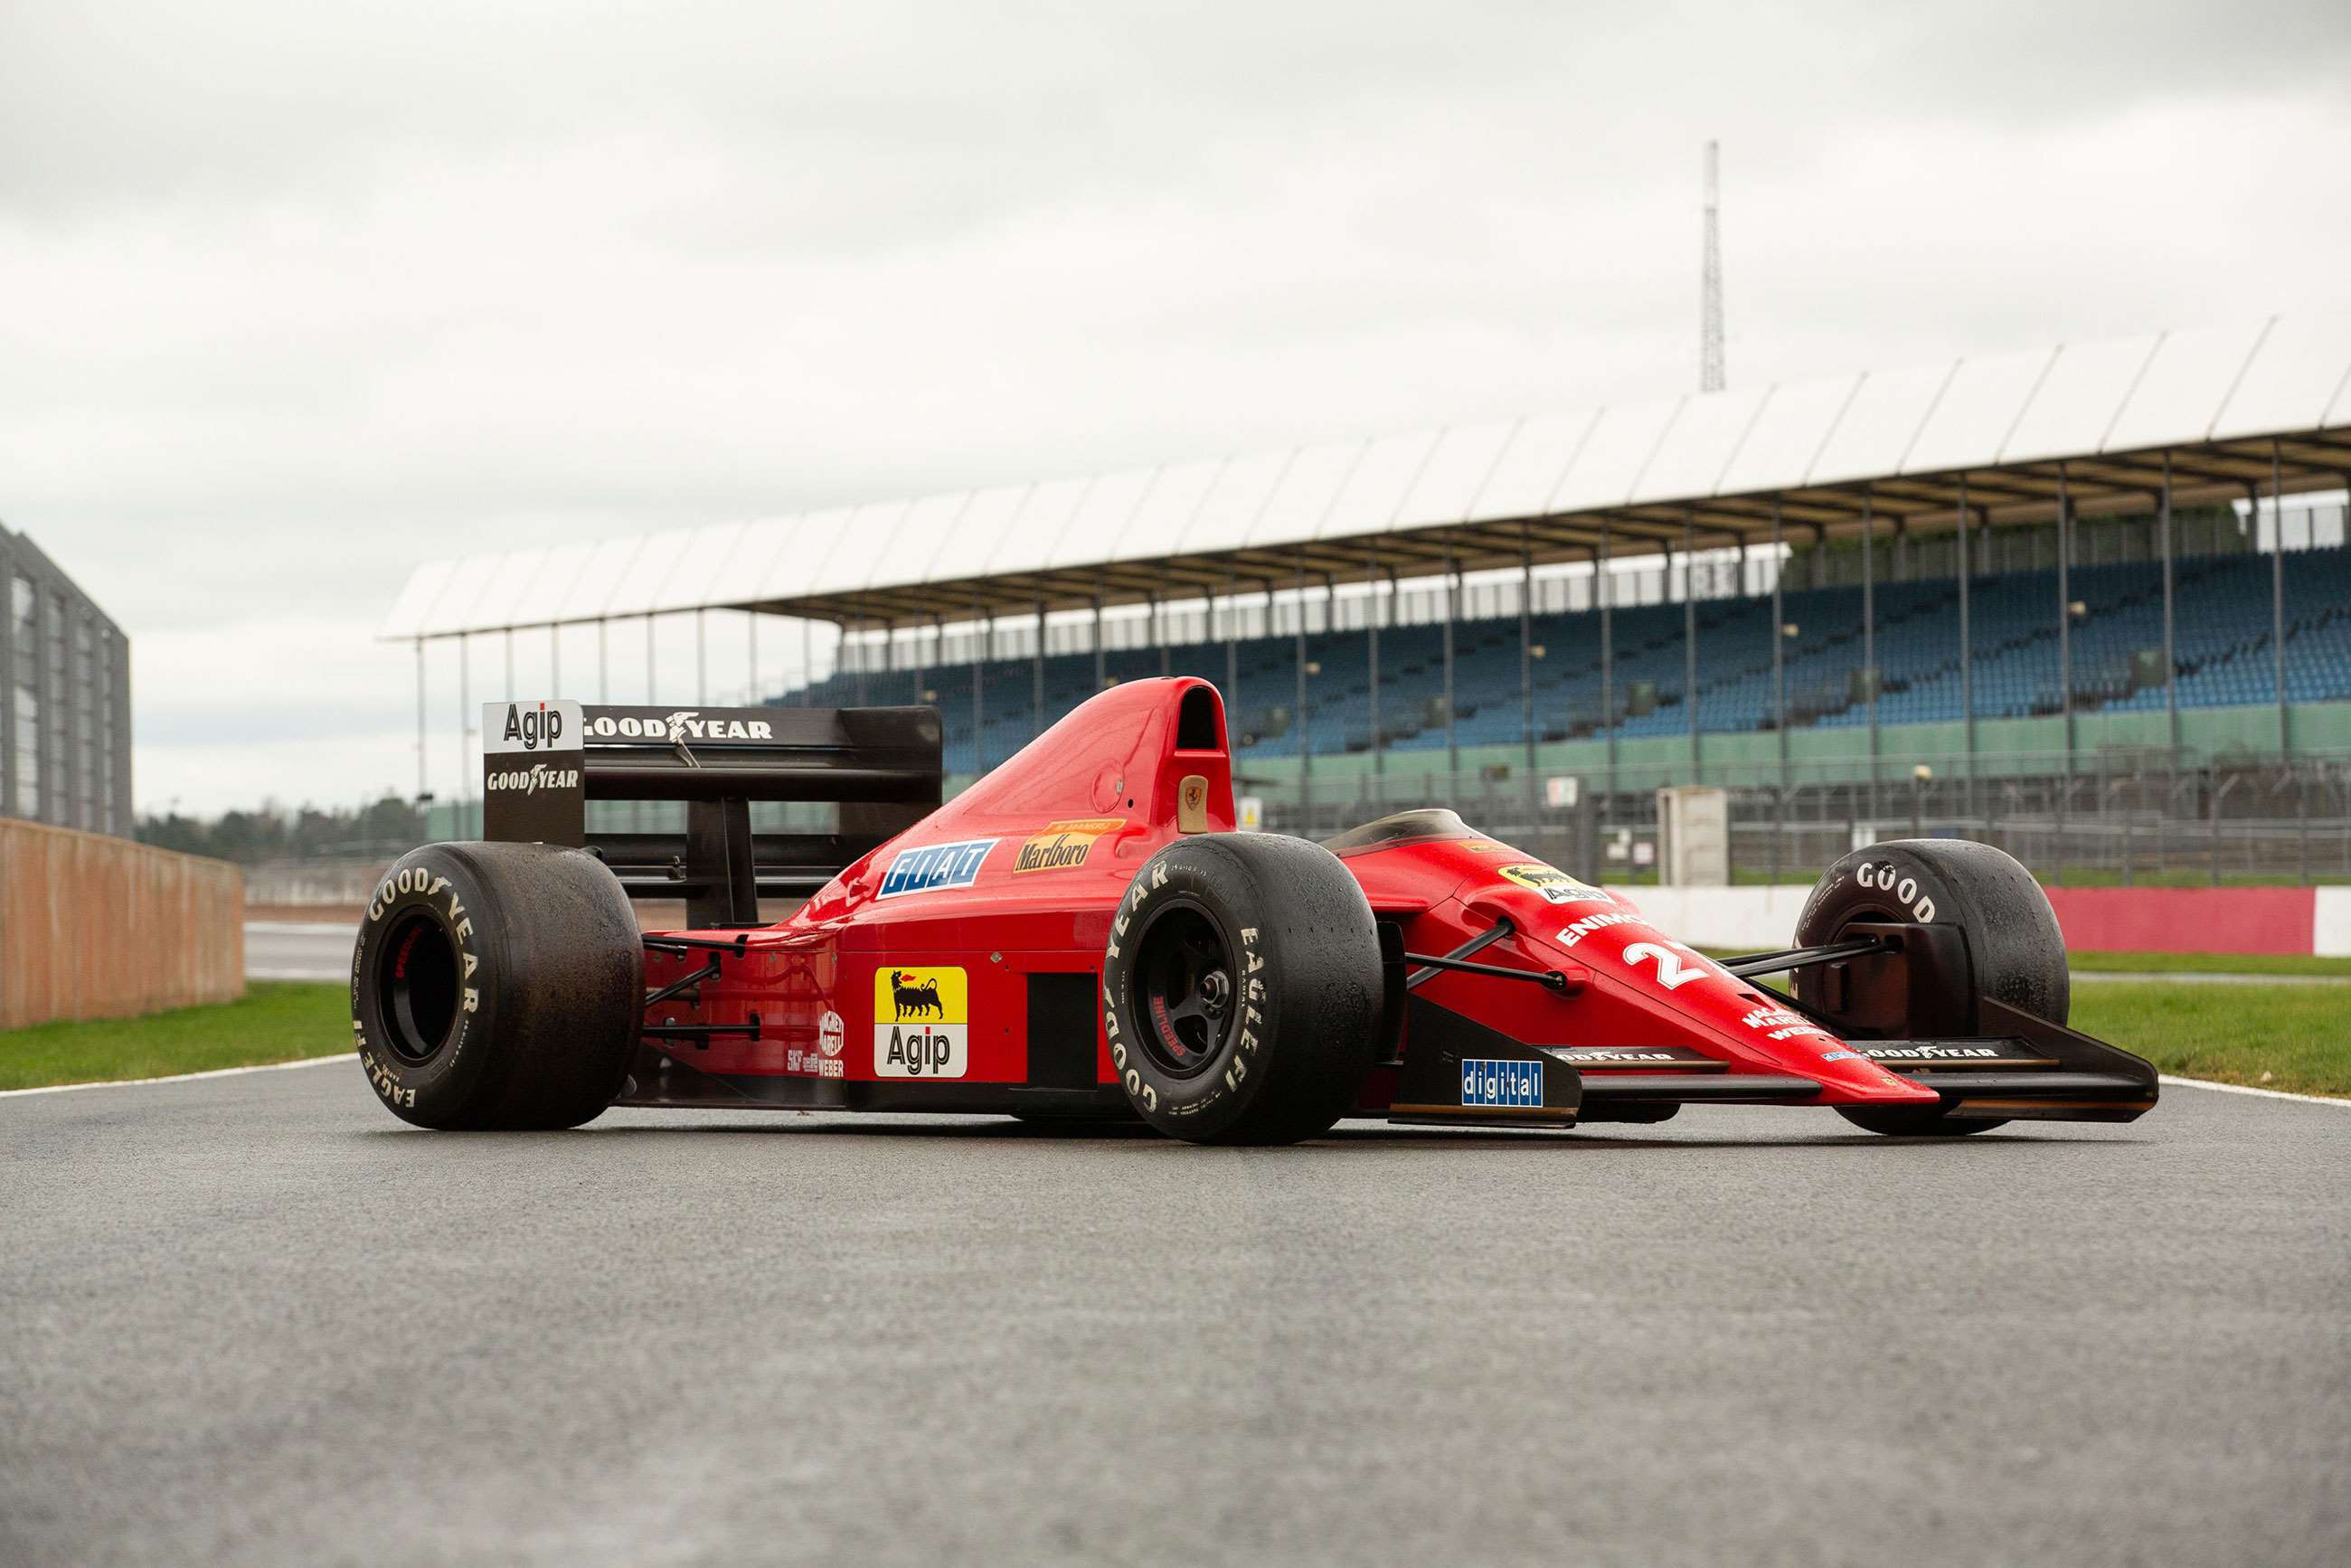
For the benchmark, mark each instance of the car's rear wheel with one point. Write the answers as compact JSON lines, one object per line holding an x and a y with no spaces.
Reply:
{"x":497,"y":985}
{"x":2014,"y":948}
{"x":1242,"y":988}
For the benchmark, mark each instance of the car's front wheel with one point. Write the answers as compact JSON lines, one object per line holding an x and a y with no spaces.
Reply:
{"x":1241,"y":990}
{"x":2017,"y":954}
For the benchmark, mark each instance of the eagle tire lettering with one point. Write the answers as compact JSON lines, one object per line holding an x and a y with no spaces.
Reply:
{"x":1293,"y":992}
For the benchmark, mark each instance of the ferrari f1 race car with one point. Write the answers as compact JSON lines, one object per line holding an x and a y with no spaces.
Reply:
{"x":1081,"y":935}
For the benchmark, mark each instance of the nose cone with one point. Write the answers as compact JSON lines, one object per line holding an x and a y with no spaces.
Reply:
{"x":1847,"y":1077}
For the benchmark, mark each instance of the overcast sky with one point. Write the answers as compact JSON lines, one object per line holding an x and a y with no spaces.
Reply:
{"x":294,"y":296}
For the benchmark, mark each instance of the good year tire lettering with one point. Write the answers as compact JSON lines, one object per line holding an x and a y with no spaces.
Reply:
{"x":1885,"y":878}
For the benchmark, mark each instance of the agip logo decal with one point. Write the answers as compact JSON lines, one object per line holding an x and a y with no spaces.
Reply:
{"x":922,"y":1023}
{"x":1556,"y":886}
{"x":934,"y":867}
{"x":1064,"y":846}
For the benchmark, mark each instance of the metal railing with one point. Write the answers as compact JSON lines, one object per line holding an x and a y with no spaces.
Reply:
{"x":2129,"y":823}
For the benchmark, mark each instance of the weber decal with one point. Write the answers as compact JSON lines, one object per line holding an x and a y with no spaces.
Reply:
{"x":1064,"y":846}
{"x":1502,"y":1083}
{"x":1555,"y":885}
{"x":922,"y":1023}
{"x":934,"y":867}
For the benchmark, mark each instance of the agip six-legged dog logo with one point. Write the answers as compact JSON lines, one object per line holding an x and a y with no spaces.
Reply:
{"x":915,"y":999}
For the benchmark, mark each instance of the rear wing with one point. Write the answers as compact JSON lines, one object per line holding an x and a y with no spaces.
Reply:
{"x":542,"y":762}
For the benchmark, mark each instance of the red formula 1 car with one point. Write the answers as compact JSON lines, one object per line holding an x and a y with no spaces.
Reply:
{"x":1083,"y":935}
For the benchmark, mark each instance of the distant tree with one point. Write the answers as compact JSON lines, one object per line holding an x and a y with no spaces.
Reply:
{"x":382,"y":828}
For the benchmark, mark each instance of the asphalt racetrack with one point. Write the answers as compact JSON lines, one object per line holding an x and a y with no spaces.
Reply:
{"x":252,"y":1318}
{"x":299,"y":950}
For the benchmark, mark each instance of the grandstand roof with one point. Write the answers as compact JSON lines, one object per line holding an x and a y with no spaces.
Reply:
{"x":1892,"y":447}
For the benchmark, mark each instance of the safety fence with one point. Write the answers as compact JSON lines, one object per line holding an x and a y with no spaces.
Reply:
{"x":2128,"y":822}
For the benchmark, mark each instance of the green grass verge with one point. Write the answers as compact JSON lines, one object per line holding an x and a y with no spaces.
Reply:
{"x":277,"y":1022}
{"x":2210,"y":963}
{"x":2272,"y":1036}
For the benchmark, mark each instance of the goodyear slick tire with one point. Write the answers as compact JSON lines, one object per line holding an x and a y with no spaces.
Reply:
{"x":2018,"y":953}
{"x":1286,"y":1055}
{"x":497,"y":986}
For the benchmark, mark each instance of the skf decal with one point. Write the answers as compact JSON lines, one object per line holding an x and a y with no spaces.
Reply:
{"x":922,"y":1023}
{"x":1064,"y":846}
{"x":1555,"y":885}
{"x":1502,"y":1083}
{"x":934,"y":867}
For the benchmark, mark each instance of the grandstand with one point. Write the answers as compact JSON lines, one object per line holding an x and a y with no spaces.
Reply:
{"x":2010,"y":563}
{"x":1394,"y":695}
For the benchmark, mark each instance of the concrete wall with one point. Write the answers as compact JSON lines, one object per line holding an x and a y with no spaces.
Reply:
{"x":94,"y":927}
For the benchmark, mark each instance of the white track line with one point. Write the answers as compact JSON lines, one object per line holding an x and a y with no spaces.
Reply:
{"x":2248,"y":1089}
{"x":180,"y":1076}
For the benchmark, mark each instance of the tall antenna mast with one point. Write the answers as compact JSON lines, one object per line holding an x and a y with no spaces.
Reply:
{"x":1710,"y":328}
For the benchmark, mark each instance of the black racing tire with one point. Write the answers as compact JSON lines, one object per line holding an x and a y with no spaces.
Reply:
{"x":497,"y":986}
{"x":2013,"y":944}
{"x":1241,"y":990}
